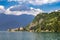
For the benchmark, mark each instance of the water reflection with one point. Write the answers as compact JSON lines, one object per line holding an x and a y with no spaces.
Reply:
{"x":47,"y":36}
{"x":29,"y":36}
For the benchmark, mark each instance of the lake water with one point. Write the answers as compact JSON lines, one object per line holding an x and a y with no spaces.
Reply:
{"x":29,"y":36}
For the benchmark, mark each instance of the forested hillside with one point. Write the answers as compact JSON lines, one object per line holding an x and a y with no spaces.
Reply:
{"x":45,"y":22}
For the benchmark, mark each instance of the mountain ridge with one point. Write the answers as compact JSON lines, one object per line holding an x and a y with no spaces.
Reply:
{"x":13,"y":21}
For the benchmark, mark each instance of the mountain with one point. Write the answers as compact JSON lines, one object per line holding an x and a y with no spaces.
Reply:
{"x":45,"y":22}
{"x":13,"y":21}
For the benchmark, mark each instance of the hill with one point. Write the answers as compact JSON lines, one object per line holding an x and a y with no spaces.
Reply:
{"x":45,"y":22}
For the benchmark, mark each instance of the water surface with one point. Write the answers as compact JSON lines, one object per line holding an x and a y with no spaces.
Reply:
{"x":29,"y":36}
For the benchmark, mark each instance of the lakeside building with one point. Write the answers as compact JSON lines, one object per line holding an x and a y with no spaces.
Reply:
{"x":16,"y":29}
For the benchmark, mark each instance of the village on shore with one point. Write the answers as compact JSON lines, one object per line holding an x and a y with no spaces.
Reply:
{"x":24,"y":29}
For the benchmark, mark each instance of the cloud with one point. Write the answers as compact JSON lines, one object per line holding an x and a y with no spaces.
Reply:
{"x":37,"y":2}
{"x":40,"y":2}
{"x":19,"y":10}
{"x":2,"y":9}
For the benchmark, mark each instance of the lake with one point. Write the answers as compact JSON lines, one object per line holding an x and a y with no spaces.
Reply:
{"x":29,"y":36}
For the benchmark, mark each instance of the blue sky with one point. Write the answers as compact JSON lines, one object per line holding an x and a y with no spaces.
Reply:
{"x":38,"y":5}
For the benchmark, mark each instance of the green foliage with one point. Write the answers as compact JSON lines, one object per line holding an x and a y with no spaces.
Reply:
{"x":51,"y":22}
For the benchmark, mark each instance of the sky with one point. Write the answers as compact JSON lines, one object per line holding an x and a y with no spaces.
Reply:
{"x":30,"y":7}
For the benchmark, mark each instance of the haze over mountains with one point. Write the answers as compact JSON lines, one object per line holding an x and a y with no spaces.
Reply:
{"x":13,"y":21}
{"x":16,"y":16}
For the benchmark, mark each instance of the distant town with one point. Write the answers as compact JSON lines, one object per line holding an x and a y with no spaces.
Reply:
{"x":16,"y":29}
